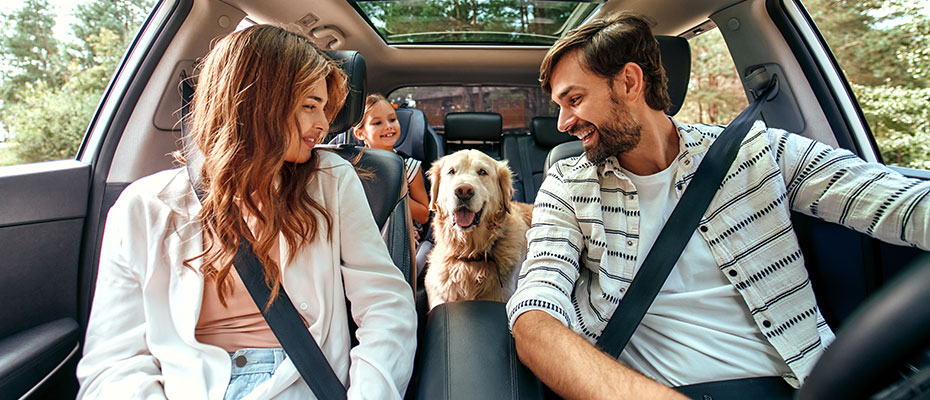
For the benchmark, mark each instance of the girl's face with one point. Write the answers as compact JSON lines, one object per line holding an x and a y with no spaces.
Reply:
{"x":379,"y":128}
{"x":311,"y":125}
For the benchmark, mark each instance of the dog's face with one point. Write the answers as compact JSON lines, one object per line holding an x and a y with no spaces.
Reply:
{"x":468,"y":186}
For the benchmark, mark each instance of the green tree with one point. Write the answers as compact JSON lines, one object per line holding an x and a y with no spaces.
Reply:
{"x":108,"y":50}
{"x":120,"y":17}
{"x":900,"y":121}
{"x":50,"y":122}
{"x":883,"y":48}
{"x":47,"y":117}
{"x":867,"y":36}
{"x":29,"y":49}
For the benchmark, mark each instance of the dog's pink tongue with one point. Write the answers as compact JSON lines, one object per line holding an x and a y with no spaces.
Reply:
{"x":464,"y":218}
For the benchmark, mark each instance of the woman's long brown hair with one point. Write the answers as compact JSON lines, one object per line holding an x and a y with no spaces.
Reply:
{"x":248,"y":92}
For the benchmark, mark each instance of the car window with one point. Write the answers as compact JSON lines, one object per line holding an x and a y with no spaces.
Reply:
{"x":883,"y":48}
{"x":56,"y":59}
{"x":715,"y":93}
{"x":517,"y":105}
{"x":499,"y":21}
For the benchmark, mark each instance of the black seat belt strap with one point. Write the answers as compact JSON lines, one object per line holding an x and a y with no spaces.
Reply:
{"x":288,"y":327}
{"x":282,"y":317}
{"x":526,"y":177}
{"x":679,"y":228}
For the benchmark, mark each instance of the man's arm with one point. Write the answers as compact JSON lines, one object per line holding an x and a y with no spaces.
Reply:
{"x":574,"y":368}
{"x":836,"y":186}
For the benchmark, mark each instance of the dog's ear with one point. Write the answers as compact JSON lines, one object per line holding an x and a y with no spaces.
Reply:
{"x":505,"y":180}
{"x":434,"y":172}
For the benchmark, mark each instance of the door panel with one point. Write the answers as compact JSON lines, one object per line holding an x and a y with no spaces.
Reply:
{"x":30,"y":357}
{"x":42,"y":215}
{"x":43,"y":191}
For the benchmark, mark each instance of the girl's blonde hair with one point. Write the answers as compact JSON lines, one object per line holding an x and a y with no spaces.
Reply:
{"x":243,"y":113}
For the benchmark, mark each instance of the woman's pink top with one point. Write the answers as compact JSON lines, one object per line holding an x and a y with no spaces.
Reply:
{"x":237,"y":326}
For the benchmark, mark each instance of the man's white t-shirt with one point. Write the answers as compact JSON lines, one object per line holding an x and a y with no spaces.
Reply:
{"x":698,"y":328}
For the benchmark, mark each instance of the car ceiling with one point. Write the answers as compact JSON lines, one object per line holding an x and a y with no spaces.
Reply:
{"x":391,"y":67}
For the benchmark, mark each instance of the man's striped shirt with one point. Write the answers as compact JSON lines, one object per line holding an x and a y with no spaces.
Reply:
{"x":583,"y":242}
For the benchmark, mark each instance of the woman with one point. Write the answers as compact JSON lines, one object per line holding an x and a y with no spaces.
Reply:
{"x":379,"y":129}
{"x":171,"y":317}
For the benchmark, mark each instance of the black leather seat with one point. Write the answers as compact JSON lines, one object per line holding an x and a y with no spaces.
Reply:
{"x":354,"y":65}
{"x":526,"y":155}
{"x":474,"y":130}
{"x":385,"y":186}
{"x":418,"y":139}
{"x":385,"y":189}
{"x":468,"y":353}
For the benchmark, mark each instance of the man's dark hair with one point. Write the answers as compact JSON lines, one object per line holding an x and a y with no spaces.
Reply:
{"x":607,"y":45}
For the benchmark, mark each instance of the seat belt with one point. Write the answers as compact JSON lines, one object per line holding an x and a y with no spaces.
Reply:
{"x":679,"y":228}
{"x":527,"y":177}
{"x":281,"y":315}
{"x":288,"y":327}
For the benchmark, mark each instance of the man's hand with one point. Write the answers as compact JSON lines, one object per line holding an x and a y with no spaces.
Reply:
{"x":574,"y":368}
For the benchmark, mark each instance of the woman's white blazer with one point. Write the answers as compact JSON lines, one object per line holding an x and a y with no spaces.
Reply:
{"x":140,"y":338}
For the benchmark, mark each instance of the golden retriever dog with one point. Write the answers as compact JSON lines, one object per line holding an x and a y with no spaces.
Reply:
{"x":480,"y":235}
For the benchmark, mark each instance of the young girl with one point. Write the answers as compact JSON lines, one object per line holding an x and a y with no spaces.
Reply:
{"x":379,"y":129}
{"x":171,"y":316}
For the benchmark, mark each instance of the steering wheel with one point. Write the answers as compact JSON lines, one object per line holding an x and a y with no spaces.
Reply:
{"x":890,"y":326}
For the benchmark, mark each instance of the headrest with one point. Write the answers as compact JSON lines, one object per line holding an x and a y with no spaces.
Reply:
{"x":563,"y":151}
{"x":676,"y":59}
{"x":546,"y":133}
{"x":383,"y":187}
{"x":353,"y":64}
{"x":413,"y":125}
{"x":483,"y":126}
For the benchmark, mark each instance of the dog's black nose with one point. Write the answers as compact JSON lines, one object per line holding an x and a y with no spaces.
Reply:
{"x":464,"y":192}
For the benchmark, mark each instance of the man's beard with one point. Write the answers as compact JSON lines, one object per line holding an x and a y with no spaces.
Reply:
{"x":618,"y":135}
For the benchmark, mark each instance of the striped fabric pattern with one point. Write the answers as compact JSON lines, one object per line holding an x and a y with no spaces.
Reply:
{"x":582,"y":252}
{"x":411,"y":167}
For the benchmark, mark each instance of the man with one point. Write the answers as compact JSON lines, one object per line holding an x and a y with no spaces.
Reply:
{"x":738,"y":303}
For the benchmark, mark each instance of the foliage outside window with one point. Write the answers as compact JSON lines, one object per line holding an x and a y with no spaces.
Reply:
{"x":883,"y":47}
{"x":715,"y":93}
{"x":49,"y":87}
{"x":517,"y":105}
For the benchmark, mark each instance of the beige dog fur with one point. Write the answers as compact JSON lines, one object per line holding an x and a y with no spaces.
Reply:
{"x":480,"y":235}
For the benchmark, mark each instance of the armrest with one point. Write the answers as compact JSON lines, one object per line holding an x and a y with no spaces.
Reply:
{"x":468,"y":353}
{"x":28,"y":357}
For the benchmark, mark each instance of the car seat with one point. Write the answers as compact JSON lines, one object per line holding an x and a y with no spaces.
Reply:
{"x":474,"y":130}
{"x":526,"y":155}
